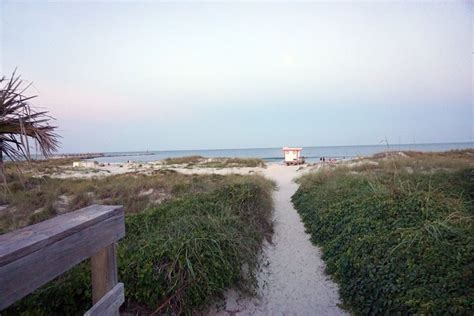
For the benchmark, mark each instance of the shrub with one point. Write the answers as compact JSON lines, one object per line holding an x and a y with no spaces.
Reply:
{"x":397,"y":243}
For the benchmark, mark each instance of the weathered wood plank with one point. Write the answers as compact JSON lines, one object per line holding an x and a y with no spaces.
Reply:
{"x":109,"y":304}
{"x":22,"y":276}
{"x":22,"y":242}
{"x":104,"y":272}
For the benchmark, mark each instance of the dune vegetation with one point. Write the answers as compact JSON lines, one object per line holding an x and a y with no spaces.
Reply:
{"x":397,"y":231}
{"x":29,"y":199}
{"x":188,"y":237}
{"x":218,"y":163}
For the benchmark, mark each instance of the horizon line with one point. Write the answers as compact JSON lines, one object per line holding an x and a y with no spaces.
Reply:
{"x":250,"y":148}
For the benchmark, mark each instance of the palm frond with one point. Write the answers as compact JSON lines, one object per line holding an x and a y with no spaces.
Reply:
{"x":21,"y":124}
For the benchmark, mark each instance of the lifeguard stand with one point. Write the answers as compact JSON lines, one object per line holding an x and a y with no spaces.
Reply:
{"x":293,"y":156}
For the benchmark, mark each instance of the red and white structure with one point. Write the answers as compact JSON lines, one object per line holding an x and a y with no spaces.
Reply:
{"x":293,"y":155}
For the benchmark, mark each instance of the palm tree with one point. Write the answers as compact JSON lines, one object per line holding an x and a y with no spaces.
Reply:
{"x":21,"y":125}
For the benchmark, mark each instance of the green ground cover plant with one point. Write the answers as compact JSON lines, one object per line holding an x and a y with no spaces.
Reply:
{"x":177,"y":257}
{"x":398,"y":236}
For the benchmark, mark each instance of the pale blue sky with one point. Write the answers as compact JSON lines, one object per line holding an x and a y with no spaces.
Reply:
{"x":157,"y":76}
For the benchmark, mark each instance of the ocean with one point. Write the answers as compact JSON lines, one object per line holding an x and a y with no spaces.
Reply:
{"x":312,"y":153}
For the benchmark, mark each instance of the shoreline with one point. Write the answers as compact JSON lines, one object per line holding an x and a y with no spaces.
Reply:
{"x":311,"y":153}
{"x":148,"y":168}
{"x":84,"y":169}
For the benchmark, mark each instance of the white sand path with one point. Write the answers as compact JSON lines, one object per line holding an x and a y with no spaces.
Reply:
{"x":292,"y":279}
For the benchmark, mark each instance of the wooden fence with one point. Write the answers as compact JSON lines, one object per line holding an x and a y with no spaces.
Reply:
{"x":34,"y":255}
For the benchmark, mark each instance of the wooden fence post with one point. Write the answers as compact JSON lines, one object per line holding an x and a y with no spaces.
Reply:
{"x":104,"y":272}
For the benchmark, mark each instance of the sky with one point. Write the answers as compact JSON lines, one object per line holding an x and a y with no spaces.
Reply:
{"x":186,"y":75}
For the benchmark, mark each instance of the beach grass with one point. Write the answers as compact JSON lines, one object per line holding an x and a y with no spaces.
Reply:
{"x":30,"y":199}
{"x":397,"y":231}
{"x":218,"y":163}
{"x":183,"y":160}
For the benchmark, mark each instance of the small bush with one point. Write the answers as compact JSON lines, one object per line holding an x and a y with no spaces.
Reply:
{"x":397,"y":243}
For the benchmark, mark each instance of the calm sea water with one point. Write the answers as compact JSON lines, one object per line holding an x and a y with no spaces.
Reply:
{"x":276,"y":154}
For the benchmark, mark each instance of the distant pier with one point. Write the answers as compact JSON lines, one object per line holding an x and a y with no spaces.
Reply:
{"x":79,"y":156}
{"x":99,"y":155}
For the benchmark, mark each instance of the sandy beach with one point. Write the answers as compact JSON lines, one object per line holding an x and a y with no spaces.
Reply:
{"x":105,"y":170}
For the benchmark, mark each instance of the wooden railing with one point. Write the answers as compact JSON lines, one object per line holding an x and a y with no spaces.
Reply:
{"x":34,"y":255}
